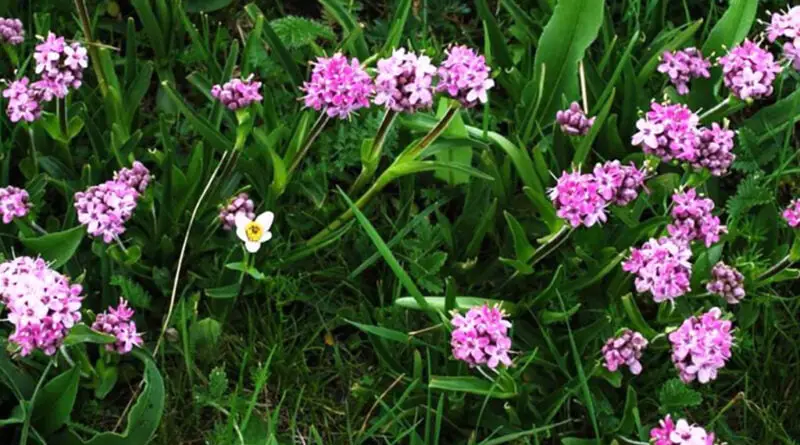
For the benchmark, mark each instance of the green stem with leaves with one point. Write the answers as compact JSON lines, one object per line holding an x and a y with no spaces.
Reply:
{"x":371,"y":159}
{"x":94,"y":53}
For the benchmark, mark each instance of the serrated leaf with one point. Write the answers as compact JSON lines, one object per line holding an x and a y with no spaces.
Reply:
{"x":296,"y":32}
{"x":675,"y":395}
{"x":132,"y":291}
{"x":751,"y":193}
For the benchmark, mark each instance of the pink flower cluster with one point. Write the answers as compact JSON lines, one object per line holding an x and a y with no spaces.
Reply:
{"x":701,"y":346}
{"x":787,"y":25}
{"x":60,"y":66}
{"x":43,"y":306}
{"x":481,"y":337}
{"x":105,"y":208}
{"x":11,"y":31}
{"x":581,"y":199}
{"x":573,"y":120}
{"x":119,"y":323}
{"x":749,"y":71}
{"x":13,"y":203}
{"x":338,"y":86}
{"x":625,"y":350}
{"x":692,"y":219}
{"x":238,"y":204}
{"x":669,"y":132}
{"x":682,"y":433}
{"x":792,"y":213}
{"x":237,"y":93}
{"x":404,"y":82}
{"x":727,"y":282}
{"x":684,"y":65}
{"x":662,"y":267}
{"x":465,"y":76}
{"x":24,"y":101}
{"x":715,"y":150}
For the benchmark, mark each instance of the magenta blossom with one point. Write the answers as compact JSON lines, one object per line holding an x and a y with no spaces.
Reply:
{"x":24,"y":101}
{"x":60,"y":66}
{"x":727,"y":282}
{"x":792,"y":213}
{"x":12,"y":31}
{"x":669,"y":132}
{"x":404,"y":82}
{"x":43,"y":306}
{"x":787,"y":26}
{"x":680,"y":433}
{"x":238,"y":204}
{"x":237,"y":93}
{"x":577,"y":199}
{"x":749,"y":71}
{"x":573,"y":120}
{"x":465,"y":76}
{"x":338,"y":86}
{"x":715,"y":150}
{"x":481,"y":337}
{"x":625,"y":350}
{"x":684,"y":65}
{"x":119,"y":323}
{"x":619,"y":184}
{"x":692,"y":219}
{"x":662,"y":268}
{"x":13,"y":203}
{"x":701,"y":346}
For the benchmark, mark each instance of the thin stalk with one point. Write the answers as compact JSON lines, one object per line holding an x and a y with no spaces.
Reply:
{"x":432,"y":135}
{"x":730,"y":404}
{"x":86,"y":24}
{"x":370,"y":164}
{"x":715,"y":108}
{"x":776,"y":268}
{"x":23,"y":440}
{"x":583,"y":88}
{"x":315,"y":132}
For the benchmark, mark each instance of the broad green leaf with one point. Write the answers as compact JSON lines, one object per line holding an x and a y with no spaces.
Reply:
{"x":461,"y":303}
{"x":223,"y":292}
{"x":54,"y":402}
{"x":206,"y":5}
{"x":505,"y":388}
{"x":572,"y":28}
{"x":522,"y":247}
{"x":81,"y":333}
{"x":635,"y":316}
{"x":774,"y":118}
{"x":57,"y":247}
{"x":630,"y":417}
{"x":204,"y":335}
{"x":732,"y":28}
{"x":676,"y":395}
{"x":143,"y":418}
{"x":21,"y":384}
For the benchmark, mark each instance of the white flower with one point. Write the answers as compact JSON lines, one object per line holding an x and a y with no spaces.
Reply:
{"x":254,"y":232}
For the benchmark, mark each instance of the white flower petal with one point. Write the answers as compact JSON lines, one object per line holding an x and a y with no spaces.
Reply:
{"x":241,"y":232}
{"x":252,"y":247}
{"x":265,"y":220}
{"x":241,"y":220}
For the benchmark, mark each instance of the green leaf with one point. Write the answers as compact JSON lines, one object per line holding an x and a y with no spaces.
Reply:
{"x":752,"y":192}
{"x":635,"y":316}
{"x":54,"y":402}
{"x":398,"y":25}
{"x":206,"y":5}
{"x":522,"y":18}
{"x":676,"y":395}
{"x":774,"y":118}
{"x":461,"y":303}
{"x":200,"y":124}
{"x":81,"y":333}
{"x":388,"y":334}
{"x":586,"y":142}
{"x":275,"y":43}
{"x":572,"y":28}
{"x":151,"y":26}
{"x":630,"y":417}
{"x":732,"y":28}
{"x":296,"y":32}
{"x":205,"y":334}
{"x":503,"y":388}
{"x":550,"y":317}
{"x":132,"y":291}
{"x":351,"y":27}
{"x":497,"y":38}
{"x":143,"y":418}
{"x":57,"y":247}
{"x":223,"y":292}
{"x":522,"y":247}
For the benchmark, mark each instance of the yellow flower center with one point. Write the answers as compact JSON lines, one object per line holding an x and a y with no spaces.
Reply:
{"x":254,"y":231}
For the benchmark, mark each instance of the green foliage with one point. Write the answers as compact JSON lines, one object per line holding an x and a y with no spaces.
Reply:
{"x":296,"y":32}
{"x":675,"y":395}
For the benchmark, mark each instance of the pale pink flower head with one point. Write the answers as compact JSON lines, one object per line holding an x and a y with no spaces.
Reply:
{"x":12,"y":32}
{"x":682,"y":433}
{"x":684,"y":65}
{"x":24,"y":101}
{"x":749,"y":71}
{"x":237,"y":93}
{"x":624,"y":350}
{"x":692,"y":218}
{"x":662,"y":267}
{"x":715,"y":150}
{"x":60,"y":66}
{"x":727,"y":282}
{"x":105,"y":208}
{"x":669,"y":132}
{"x":42,"y":304}
{"x":338,"y":86}
{"x":660,"y":435}
{"x":619,"y":184}
{"x":786,"y":25}
{"x":465,"y":76}
{"x":573,"y":120}
{"x":13,"y":203}
{"x":792,"y":213}
{"x":240,"y":203}
{"x":480,"y":337}
{"x":701,"y":346}
{"x":118,"y":322}
{"x":405,"y":82}
{"x":577,"y":199}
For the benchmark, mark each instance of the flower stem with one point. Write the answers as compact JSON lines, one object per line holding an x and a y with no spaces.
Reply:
{"x":315,"y":132}
{"x":582,"y":73}
{"x":716,"y":108}
{"x":370,"y":160}
{"x":730,"y":404}
{"x":86,"y":24}
{"x":776,"y":268}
